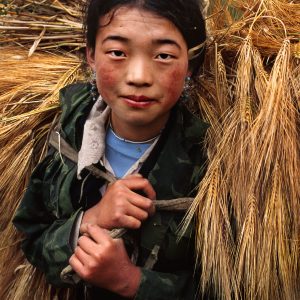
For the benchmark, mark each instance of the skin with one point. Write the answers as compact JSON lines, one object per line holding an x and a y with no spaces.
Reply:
{"x":140,"y":74}
{"x":140,"y":62}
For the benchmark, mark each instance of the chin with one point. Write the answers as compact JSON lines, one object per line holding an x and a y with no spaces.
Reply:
{"x":138,"y":122}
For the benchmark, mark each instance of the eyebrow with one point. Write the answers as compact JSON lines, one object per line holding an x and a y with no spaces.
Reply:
{"x":116,"y":38}
{"x":166,"y":42}
{"x":158,"y":42}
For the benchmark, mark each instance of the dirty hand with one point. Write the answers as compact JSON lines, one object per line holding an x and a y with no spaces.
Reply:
{"x":121,"y":206}
{"x":102,"y":261}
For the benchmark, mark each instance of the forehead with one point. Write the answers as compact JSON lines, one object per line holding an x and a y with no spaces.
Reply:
{"x":131,"y":20}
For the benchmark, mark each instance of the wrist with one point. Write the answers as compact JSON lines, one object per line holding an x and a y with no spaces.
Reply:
{"x":88,"y":217}
{"x":92,"y":215}
{"x":132,"y":281}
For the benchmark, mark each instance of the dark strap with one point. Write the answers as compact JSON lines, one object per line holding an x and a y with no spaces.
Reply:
{"x":57,"y":142}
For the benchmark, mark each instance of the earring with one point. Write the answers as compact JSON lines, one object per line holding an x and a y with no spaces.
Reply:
{"x":187,"y":89}
{"x":94,"y":90}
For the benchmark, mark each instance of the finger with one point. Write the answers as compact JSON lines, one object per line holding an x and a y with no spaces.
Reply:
{"x":98,"y":234}
{"x":136,"y":212}
{"x":77,"y":266}
{"x":135,"y":175}
{"x":140,"y":184}
{"x":75,"y":263}
{"x":82,"y":255}
{"x":141,"y":202}
{"x":88,"y":245}
{"x":83,"y":228}
{"x":130,"y":222}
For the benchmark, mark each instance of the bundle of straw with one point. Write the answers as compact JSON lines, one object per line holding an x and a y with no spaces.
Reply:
{"x":29,"y":101}
{"x":28,"y":105}
{"x":267,"y":21}
{"x":248,"y":205}
{"x":43,"y":24}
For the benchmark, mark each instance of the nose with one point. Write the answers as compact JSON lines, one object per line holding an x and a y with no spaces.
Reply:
{"x":139,"y":72}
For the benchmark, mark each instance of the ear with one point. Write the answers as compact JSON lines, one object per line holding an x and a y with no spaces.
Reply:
{"x":90,"y":57}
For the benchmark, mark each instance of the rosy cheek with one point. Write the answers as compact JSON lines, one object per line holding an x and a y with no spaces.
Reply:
{"x":174,"y":90}
{"x":106,"y":78}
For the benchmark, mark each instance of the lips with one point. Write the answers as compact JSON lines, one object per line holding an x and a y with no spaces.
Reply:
{"x":138,"y":98}
{"x":138,"y":101}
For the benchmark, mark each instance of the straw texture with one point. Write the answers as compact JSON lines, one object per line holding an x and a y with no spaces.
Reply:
{"x":247,"y":208}
{"x":28,"y":105}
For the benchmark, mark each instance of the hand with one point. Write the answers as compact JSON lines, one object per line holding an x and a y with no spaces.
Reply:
{"x":102,"y":261}
{"x":121,"y":206}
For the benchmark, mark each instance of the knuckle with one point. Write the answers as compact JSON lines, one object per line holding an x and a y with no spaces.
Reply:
{"x":118,"y":184}
{"x":117,"y":216}
{"x":86,"y":274}
{"x":119,"y":203}
{"x":113,"y":187}
{"x":91,"y":229}
{"x":144,"y":181}
{"x":91,"y":265}
{"x":98,"y":256}
{"x":119,"y":194}
{"x":80,"y":241}
{"x":108,"y":247}
{"x":148,"y":204}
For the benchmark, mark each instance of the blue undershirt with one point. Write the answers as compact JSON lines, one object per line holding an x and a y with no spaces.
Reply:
{"x":122,"y":154}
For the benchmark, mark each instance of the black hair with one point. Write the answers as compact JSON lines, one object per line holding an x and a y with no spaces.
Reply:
{"x":184,"y":14}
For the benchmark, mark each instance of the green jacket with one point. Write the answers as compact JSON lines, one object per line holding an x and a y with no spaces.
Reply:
{"x":50,"y":205}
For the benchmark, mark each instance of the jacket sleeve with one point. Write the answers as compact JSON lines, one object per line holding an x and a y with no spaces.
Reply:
{"x":160,"y":286}
{"x":173,"y":275}
{"x":46,"y":217}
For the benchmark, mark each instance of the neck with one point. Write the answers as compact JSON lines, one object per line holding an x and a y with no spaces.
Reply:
{"x":137,"y":132}
{"x":148,"y":141}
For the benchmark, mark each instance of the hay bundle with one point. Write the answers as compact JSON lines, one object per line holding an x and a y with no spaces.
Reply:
{"x":252,"y":102}
{"x":249,"y":91}
{"x":28,"y":105}
{"x":43,"y":24}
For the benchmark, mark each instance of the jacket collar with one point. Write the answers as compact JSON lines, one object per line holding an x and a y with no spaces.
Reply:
{"x":188,"y":128}
{"x":183,"y":152}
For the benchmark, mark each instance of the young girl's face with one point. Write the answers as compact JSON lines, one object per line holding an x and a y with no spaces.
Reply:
{"x":141,"y":61}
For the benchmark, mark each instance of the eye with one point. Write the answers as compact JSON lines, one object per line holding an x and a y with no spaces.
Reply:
{"x":117,"y":53}
{"x":164,"y":56}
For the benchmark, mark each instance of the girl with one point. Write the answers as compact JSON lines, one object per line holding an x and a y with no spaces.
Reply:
{"x":136,"y":129}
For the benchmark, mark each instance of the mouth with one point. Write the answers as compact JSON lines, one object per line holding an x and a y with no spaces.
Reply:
{"x":138,"y":101}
